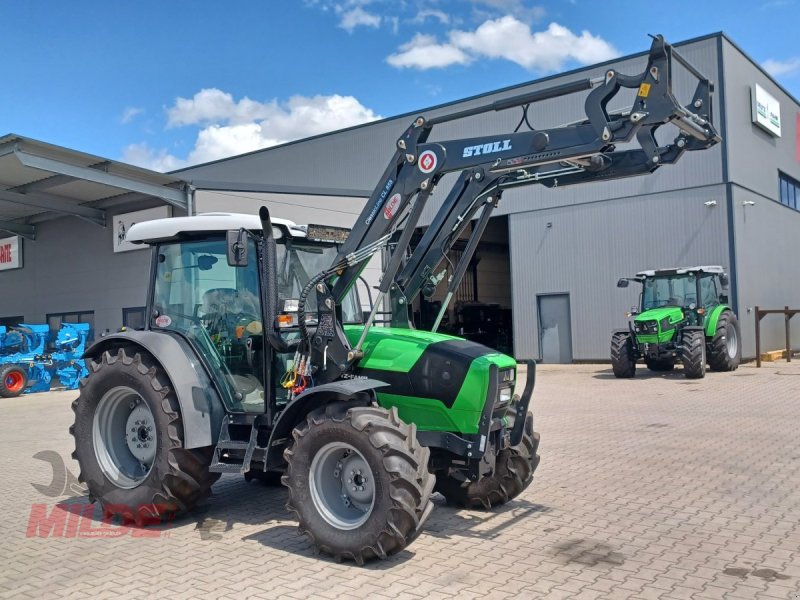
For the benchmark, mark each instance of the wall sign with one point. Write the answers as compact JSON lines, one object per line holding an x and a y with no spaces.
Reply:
{"x":123,"y":223}
{"x":10,"y":253}
{"x":766,"y":110}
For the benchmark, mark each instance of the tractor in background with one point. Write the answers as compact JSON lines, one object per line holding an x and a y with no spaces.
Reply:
{"x":683,"y":316}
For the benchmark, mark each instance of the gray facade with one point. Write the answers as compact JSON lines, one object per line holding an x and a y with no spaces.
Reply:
{"x":574,"y":241}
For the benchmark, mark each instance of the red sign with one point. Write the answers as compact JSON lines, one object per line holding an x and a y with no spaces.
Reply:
{"x":10,"y":253}
{"x":391,"y":207}
{"x":797,"y":138}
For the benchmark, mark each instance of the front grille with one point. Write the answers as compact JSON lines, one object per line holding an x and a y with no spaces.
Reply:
{"x":646,"y":327}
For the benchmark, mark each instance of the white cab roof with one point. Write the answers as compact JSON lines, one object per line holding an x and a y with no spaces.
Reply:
{"x":163,"y":229}
{"x":680,"y":271}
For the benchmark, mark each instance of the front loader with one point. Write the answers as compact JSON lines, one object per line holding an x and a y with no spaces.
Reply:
{"x":256,"y":358}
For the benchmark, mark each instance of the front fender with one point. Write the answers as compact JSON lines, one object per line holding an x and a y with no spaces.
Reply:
{"x":201,"y":407}
{"x":359,"y":392}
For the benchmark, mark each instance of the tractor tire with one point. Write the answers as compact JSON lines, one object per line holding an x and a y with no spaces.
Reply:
{"x":660,"y":366}
{"x":725,"y":348}
{"x":358,"y":481}
{"x":129,"y":441}
{"x":623,"y":357}
{"x":13,"y":380}
{"x":512,"y":475}
{"x":693,"y":354}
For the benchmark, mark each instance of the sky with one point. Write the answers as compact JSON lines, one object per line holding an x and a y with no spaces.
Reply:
{"x":170,"y":83}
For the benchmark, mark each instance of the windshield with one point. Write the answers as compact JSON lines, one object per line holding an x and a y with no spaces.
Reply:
{"x":677,"y":290}
{"x":298,"y":261}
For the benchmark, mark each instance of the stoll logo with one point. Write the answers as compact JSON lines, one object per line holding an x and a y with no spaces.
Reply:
{"x":490,"y":148}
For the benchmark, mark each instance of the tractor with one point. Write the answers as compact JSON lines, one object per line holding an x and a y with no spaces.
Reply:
{"x":257,"y":358}
{"x":683,"y":316}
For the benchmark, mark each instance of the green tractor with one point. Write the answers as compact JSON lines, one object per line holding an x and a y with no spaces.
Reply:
{"x":683,"y":316}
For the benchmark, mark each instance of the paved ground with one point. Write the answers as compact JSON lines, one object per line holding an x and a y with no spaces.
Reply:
{"x":656,"y":487}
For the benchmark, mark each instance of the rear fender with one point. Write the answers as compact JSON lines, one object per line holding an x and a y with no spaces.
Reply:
{"x":358,"y":392}
{"x":713,"y":318}
{"x":201,"y":407}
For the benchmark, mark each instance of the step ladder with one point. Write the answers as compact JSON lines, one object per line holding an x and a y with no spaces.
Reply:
{"x":236,"y":464}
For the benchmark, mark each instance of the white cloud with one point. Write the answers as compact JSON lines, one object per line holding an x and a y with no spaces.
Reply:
{"x":506,"y":38}
{"x":546,"y":50}
{"x":143,"y":155}
{"x":429,"y":13}
{"x":424,"y":52}
{"x":777,"y":68}
{"x":515,"y":8}
{"x":130,"y":113}
{"x":358,"y":17}
{"x":230,"y":127}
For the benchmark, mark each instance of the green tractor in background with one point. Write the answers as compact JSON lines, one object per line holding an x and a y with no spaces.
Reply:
{"x":683,"y":315}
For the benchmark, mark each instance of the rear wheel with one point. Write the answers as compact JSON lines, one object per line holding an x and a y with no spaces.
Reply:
{"x":358,"y":481}
{"x":693,"y":354}
{"x":13,"y":380}
{"x":129,"y":441}
{"x":725,"y":348}
{"x":660,"y":365}
{"x":513,"y":473}
{"x":623,"y":357}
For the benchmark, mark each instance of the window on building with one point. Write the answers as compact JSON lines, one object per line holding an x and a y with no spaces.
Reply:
{"x":11,"y":321}
{"x":54,"y":320}
{"x":133,"y":318}
{"x":789,"y":190}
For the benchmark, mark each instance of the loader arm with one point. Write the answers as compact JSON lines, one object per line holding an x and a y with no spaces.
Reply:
{"x":569,"y":154}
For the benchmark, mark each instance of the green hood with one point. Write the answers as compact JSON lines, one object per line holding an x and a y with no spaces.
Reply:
{"x":674,"y":313}
{"x":664,"y":333}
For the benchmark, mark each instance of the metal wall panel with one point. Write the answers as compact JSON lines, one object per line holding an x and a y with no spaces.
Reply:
{"x":755,"y":156}
{"x":583,"y":249}
{"x":72,"y":267}
{"x":767,"y":266}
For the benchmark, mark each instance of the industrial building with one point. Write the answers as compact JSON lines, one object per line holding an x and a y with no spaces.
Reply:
{"x":549,"y":260}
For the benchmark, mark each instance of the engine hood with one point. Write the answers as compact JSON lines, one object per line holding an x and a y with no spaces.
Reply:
{"x":674,"y":313}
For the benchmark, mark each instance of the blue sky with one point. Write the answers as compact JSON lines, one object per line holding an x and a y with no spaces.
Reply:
{"x":170,"y":83}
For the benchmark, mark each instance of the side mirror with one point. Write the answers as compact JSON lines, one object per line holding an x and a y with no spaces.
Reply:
{"x":236,"y":248}
{"x":723,"y":280}
{"x":623,"y":283}
{"x":634,"y":311}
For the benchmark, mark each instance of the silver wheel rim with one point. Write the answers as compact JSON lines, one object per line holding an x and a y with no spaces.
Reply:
{"x":342,"y":486}
{"x":124,"y":437}
{"x":732,"y":342}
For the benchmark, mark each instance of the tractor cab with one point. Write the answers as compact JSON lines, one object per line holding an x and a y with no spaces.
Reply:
{"x":208,"y":288}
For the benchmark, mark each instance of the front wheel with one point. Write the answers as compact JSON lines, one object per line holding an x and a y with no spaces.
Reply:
{"x":725,"y":348}
{"x":693,"y":354}
{"x":623,"y":356}
{"x":513,"y":473}
{"x":129,"y":441}
{"x":358,"y":481}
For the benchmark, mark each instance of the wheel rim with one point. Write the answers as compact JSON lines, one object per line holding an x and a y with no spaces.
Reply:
{"x":732,"y":342}
{"x":342,"y":486}
{"x":14,"y":381}
{"x":124,"y":436}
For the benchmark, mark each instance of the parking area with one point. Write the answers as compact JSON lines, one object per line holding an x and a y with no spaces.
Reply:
{"x":656,"y":487}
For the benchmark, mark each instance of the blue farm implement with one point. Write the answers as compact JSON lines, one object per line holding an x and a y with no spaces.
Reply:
{"x":27,"y":365}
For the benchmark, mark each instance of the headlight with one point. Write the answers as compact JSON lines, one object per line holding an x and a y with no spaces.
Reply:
{"x":505,"y":395}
